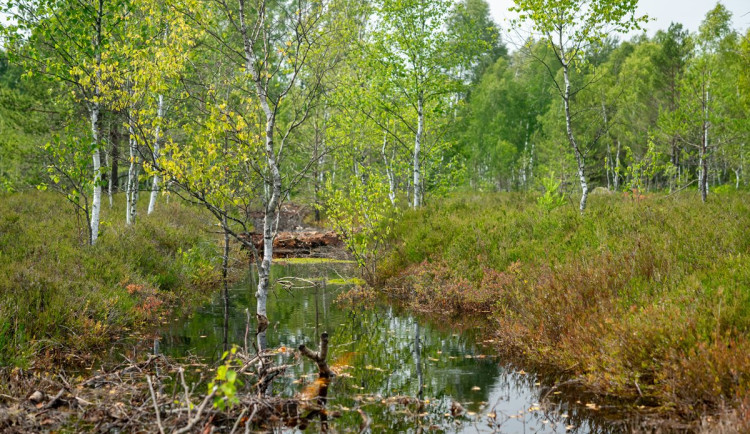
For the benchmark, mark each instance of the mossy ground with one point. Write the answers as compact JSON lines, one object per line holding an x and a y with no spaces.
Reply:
{"x":647,"y":300}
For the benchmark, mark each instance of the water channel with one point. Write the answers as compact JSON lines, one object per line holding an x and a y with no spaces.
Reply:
{"x":381,"y":353}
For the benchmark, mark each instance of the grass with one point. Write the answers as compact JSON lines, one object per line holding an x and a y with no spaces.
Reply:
{"x":647,"y":297}
{"x":61,"y":301}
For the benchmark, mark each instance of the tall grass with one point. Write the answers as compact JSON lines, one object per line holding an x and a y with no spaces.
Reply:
{"x":61,"y":299}
{"x":648,"y":297}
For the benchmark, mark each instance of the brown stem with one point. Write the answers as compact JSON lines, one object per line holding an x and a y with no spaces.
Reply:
{"x":319,"y":357}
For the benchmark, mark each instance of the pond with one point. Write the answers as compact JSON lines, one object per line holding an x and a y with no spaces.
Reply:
{"x":384,"y":357}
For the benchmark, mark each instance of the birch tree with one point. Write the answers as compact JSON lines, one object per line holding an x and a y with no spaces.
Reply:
{"x":69,"y":42}
{"x":272,"y":57}
{"x":411,"y":57}
{"x":571,"y":28}
{"x":154,"y":48}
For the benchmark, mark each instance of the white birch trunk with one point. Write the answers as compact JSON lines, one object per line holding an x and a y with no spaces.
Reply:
{"x":417,"y":149}
{"x":155,"y":184}
{"x":389,"y":171}
{"x":531,"y":162}
{"x":571,"y":138}
{"x":96,"y":200}
{"x":271,"y":186}
{"x":108,"y":162}
{"x":703,"y":179}
{"x":270,"y":217}
{"x":131,"y":213}
{"x":736,"y":179}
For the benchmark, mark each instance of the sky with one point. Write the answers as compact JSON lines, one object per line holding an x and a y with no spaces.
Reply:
{"x":688,"y":12}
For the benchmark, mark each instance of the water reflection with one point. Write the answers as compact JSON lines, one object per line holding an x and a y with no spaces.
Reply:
{"x":403,"y":373}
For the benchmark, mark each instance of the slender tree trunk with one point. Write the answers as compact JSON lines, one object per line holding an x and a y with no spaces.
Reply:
{"x":96,"y":200}
{"x":526,"y":158}
{"x":703,"y":180}
{"x":742,"y":163}
{"x":317,"y":174}
{"x":157,"y":132}
{"x":270,"y":216}
{"x":389,"y":171}
{"x":107,"y":163}
{"x":608,"y":162}
{"x":417,"y":149}
{"x":133,"y":189}
{"x":571,"y":138}
{"x":531,"y":162}
{"x":736,"y":179}
{"x":114,"y":157}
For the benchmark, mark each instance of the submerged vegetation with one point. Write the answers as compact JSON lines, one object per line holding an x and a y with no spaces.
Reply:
{"x":644,"y":299}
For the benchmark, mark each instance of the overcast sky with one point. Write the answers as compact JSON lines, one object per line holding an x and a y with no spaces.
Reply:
{"x":688,"y":12}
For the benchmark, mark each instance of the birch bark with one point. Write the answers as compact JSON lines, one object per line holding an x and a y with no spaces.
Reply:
{"x":95,"y":107}
{"x":157,"y":151}
{"x":417,"y":149}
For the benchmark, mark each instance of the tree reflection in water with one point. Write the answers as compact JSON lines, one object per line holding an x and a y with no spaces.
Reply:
{"x":393,"y":370}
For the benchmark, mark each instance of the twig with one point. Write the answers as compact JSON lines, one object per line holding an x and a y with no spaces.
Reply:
{"x":54,"y":400}
{"x":83,"y":401}
{"x":247,"y":329}
{"x":237,"y":422}
{"x":250,"y":419}
{"x":187,"y":394}
{"x":4,"y":396}
{"x":366,"y":421}
{"x":156,"y":404}
{"x":680,"y":189}
{"x":198,"y":413}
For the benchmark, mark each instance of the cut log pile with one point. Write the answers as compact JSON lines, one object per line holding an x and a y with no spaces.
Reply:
{"x":299,"y":244}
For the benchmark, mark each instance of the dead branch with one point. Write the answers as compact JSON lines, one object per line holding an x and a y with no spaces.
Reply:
{"x":319,"y":357}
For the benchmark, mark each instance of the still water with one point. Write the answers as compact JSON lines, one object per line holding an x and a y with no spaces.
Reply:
{"x":382,"y":355}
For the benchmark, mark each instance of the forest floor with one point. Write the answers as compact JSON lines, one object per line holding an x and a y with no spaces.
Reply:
{"x":645,"y":302}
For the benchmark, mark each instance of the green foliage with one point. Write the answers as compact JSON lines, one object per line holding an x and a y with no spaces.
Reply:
{"x":23,"y":126}
{"x":363,"y":215}
{"x":552,"y":197}
{"x":225,"y":383}
{"x":652,"y":165}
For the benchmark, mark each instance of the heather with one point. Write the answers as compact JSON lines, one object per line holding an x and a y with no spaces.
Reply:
{"x":64,"y":300}
{"x":645,"y":298}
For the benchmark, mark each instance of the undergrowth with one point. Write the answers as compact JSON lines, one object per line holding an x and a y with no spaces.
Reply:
{"x":647,"y":299}
{"x":61,"y":301}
